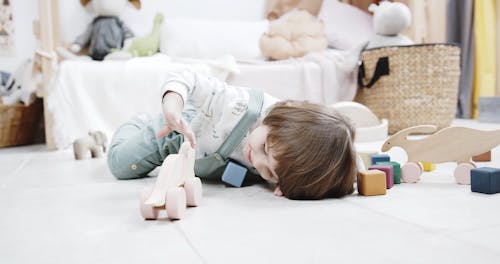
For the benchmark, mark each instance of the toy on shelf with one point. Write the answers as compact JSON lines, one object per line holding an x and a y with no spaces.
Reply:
{"x":95,"y":142}
{"x":371,"y":182}
{"x":106,"y":32}
{"x":176,"y":186}
{"x":450,"y":144}
{"x":485,"y":180}
{"x":141,"y":46}
{"x":389,"y":20}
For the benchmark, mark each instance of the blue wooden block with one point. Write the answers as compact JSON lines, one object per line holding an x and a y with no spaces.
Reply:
{"x":234,"y":174}
{"x":380,"y":158}
{"x":485,"y":180}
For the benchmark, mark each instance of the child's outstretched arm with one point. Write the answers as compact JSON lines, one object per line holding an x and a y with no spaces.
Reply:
{"x":172,"y":105}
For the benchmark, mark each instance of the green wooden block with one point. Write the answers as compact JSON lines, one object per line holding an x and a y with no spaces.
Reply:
{"x":396,"y":168}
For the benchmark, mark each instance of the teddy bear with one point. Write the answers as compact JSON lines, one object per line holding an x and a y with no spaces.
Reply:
{"x":294,"y":34}
{"x":106,"y":32}
{"x":389,"y":20}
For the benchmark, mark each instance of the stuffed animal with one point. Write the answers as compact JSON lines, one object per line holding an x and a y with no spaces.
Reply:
{"x":106,"y":32}
{"x":95,"y":142}
{"x":21,"y":86}
{"x":389,"y":20}
{"x":143,"y":46}
{"x":293,"y":35}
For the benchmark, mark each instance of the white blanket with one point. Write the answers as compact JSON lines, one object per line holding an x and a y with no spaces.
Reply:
{"x":89,"y":95}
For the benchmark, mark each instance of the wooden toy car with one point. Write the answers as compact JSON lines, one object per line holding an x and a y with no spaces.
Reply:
{"x":176,"y":187}
{"x":456,"y":144}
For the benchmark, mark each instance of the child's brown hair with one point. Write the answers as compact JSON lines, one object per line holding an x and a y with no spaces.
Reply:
{"x":313,"y":147}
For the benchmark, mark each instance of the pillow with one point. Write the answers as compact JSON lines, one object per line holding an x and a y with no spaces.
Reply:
{"x":346,"y":26}
{"x":210,"y":39}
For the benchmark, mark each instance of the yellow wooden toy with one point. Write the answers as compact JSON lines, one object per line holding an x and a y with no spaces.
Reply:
{"x":428,"y":166}
{"x":371,"y":182}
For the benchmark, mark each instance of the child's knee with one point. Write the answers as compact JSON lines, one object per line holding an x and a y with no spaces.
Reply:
{"x":122,"y":170}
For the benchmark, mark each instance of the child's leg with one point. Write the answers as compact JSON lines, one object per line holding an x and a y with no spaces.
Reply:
{"x":135,"y":151}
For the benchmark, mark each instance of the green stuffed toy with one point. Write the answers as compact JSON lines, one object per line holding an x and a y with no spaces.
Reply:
{"x":143,"y":46}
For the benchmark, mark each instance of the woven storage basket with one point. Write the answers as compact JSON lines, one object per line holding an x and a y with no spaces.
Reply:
{"x":19,"y":123}
{"x":411,"y":85}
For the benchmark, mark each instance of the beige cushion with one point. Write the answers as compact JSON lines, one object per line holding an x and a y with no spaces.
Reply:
{"x":293,"y":35}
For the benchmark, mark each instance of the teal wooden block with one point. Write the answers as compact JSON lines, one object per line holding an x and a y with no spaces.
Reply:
{"x":396,"y":169}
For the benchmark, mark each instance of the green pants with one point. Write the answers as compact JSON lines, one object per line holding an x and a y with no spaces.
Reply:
{"x":135,"y":150}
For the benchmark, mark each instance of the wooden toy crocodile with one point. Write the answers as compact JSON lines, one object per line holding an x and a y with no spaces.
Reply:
{"x":450,"y":144}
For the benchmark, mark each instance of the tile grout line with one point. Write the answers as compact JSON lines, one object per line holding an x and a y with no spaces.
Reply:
{"x":189,"y":242}
{"x":17,"y":170}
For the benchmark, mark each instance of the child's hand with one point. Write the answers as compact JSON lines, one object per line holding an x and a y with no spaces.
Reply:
{"x":277,"y":191}
{"x":172,"y":109}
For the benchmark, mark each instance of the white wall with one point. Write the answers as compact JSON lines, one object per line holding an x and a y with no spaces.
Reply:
{"x":74,"y":18}
{"x":24,"y":12}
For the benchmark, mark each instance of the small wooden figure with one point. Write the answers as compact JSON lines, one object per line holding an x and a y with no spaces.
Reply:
{"x":176,"y":186}
{"x":485,"y":180}
{"x":95,"y":143}
{"x":457,"y":144}
{"x":389,"y":174}
{"x":371,"y":182}
{"x":482,"y":157}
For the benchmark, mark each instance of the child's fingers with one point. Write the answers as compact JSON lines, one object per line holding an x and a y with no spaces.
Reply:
{"x":277,"y":191}
{"x":164,"y":132}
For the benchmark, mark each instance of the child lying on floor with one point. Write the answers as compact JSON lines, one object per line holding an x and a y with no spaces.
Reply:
{"x":305,"y":149}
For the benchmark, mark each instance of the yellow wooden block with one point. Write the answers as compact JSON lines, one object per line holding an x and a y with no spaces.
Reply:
{"x":428,"y":166}
{"x":371,"y":182}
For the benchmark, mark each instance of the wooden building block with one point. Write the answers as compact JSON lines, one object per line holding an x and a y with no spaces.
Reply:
{"x":379,"y":158}
{"x":485,"y":180}
{"x":396,"y":169}
{"x":389,"y":174}
{"x":428,"y":166}
{"x":482,"y":157}
{"x":371,"y":182}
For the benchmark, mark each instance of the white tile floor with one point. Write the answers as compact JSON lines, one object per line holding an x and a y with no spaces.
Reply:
{"x":58,"y":210}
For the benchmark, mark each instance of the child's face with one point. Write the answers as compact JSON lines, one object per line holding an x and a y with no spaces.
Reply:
{"x":258,"y":153}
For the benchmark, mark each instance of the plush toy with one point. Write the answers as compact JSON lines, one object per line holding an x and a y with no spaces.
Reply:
{"x":107,"y":31}
{"x":293,"y":35}
{"x":21,"y":86}
{"x":143,"y":46}
{"x":389,"y":20}
{"x":95,"y":142}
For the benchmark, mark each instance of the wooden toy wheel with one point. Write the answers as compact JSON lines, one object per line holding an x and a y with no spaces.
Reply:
{"x":193,"y":191}
{"x":410,"y":172}
{"x":176,"y":203}
{"x":148,"y":212}
{"x":462,"y":173}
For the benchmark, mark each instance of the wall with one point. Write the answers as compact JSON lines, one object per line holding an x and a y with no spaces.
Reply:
{"x":74,"y":19}
{"x":24,"y":12}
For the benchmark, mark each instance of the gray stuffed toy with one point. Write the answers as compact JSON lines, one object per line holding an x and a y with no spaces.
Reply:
{"x":107,"y":31}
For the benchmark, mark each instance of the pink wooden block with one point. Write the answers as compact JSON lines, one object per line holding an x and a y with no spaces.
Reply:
{"x":389,"y":173}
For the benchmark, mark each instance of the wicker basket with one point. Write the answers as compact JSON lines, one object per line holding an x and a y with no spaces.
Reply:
{"x":19,"y":123}
{"x":411,"y":85}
